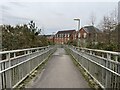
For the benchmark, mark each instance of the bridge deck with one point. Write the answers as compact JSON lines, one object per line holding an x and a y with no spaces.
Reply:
{"x":60,"y":72}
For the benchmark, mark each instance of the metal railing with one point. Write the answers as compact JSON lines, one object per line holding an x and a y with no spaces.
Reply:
{"x":16,"y":65}
{"x":102,"y":66}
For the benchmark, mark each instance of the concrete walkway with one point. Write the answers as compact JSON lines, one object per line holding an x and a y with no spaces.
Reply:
{"x":60,"y":72}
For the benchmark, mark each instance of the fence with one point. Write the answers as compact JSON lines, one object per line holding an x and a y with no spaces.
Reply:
{"x":102,"y":66}
{"x":16,"y":65}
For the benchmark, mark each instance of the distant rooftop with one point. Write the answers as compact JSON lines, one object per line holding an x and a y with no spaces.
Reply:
{"x":66,"y":31}
{"x":91,"y":29}
{"x":49,"y":35}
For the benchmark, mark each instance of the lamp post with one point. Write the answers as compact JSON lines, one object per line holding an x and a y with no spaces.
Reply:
{"x":77,"y":19}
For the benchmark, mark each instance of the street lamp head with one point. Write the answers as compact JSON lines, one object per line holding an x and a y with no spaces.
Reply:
{"x":77,"y":19}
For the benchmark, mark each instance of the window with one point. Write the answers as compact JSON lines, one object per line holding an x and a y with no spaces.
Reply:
{"x":65,"y":35}
{"x":62,"y":35}
{"x":85,"y":35}
{"x":59,"y":35}
{"x":68,"y":35}
{"x":75,"y":36}
{"x":79,"y":35}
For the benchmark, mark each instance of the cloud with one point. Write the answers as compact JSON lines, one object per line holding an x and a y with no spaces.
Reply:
{"x":4,"y":8}
{"x":20,"y":4}
{"x":60,"y":0}
{"x":10,"y":19}
{"x":7,"y":16}
{"x":53,"y":16}
{"x":58,"y":13}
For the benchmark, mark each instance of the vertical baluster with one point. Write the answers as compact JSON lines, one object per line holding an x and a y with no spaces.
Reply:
{"x":116,"y":58}
{"x":9,"y":72}
{"x":103,"y":55}
{"x":1,"y":76}
{"x":108,"y":58}
{"x":107,"y":75}
{"x":14,"y":55}
{"x":90,"y":52}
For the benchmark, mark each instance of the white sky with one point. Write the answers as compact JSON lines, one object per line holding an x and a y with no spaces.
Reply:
{"x":54,"y":15}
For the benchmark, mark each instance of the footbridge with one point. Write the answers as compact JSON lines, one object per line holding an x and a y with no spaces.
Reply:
{"x":64,"y":67}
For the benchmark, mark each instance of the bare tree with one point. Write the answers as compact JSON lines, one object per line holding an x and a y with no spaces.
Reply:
{"x":108,"y":26}
{"x":109,"y":21}
{"x":92,"y":22}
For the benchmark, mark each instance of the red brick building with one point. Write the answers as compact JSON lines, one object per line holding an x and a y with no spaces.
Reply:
{"x":88,"y":34}
{"x":62,"y":37}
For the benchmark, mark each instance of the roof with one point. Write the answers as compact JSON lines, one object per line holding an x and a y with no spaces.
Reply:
{"x":66,"y":31}
{"x":91,"y":29}
{"x":49,"y":35}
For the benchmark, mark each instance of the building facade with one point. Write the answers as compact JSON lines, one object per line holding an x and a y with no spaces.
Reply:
{"x":62,"y":37}
{"x":88,"y":35}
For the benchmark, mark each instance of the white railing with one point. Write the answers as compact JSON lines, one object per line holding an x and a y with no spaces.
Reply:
{"x":16,"y":65}
{"x":102,"y":66}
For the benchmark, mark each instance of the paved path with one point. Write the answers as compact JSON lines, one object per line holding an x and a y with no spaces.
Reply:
{"x":60,"y":72}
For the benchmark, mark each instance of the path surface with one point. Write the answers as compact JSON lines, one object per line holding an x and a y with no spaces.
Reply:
{"x":60,"y":72}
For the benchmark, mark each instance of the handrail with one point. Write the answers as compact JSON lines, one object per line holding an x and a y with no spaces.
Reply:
{"x":19,"y":50}
{"x":97,"y":50}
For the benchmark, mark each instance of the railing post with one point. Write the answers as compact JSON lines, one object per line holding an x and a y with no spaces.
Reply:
{"x":106,"y":82}
{"x":8,"y":58}
{"x":28,"y":52}
{"x":103,"y":55}
{"x":108,"y":58}
{"x":0,"y":74}
{"x":14,"y":54}
{"x":116,"y":58}
{"x":90,"y":52}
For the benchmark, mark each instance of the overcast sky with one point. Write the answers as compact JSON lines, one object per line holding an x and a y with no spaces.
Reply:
{"x":54,"y":15}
